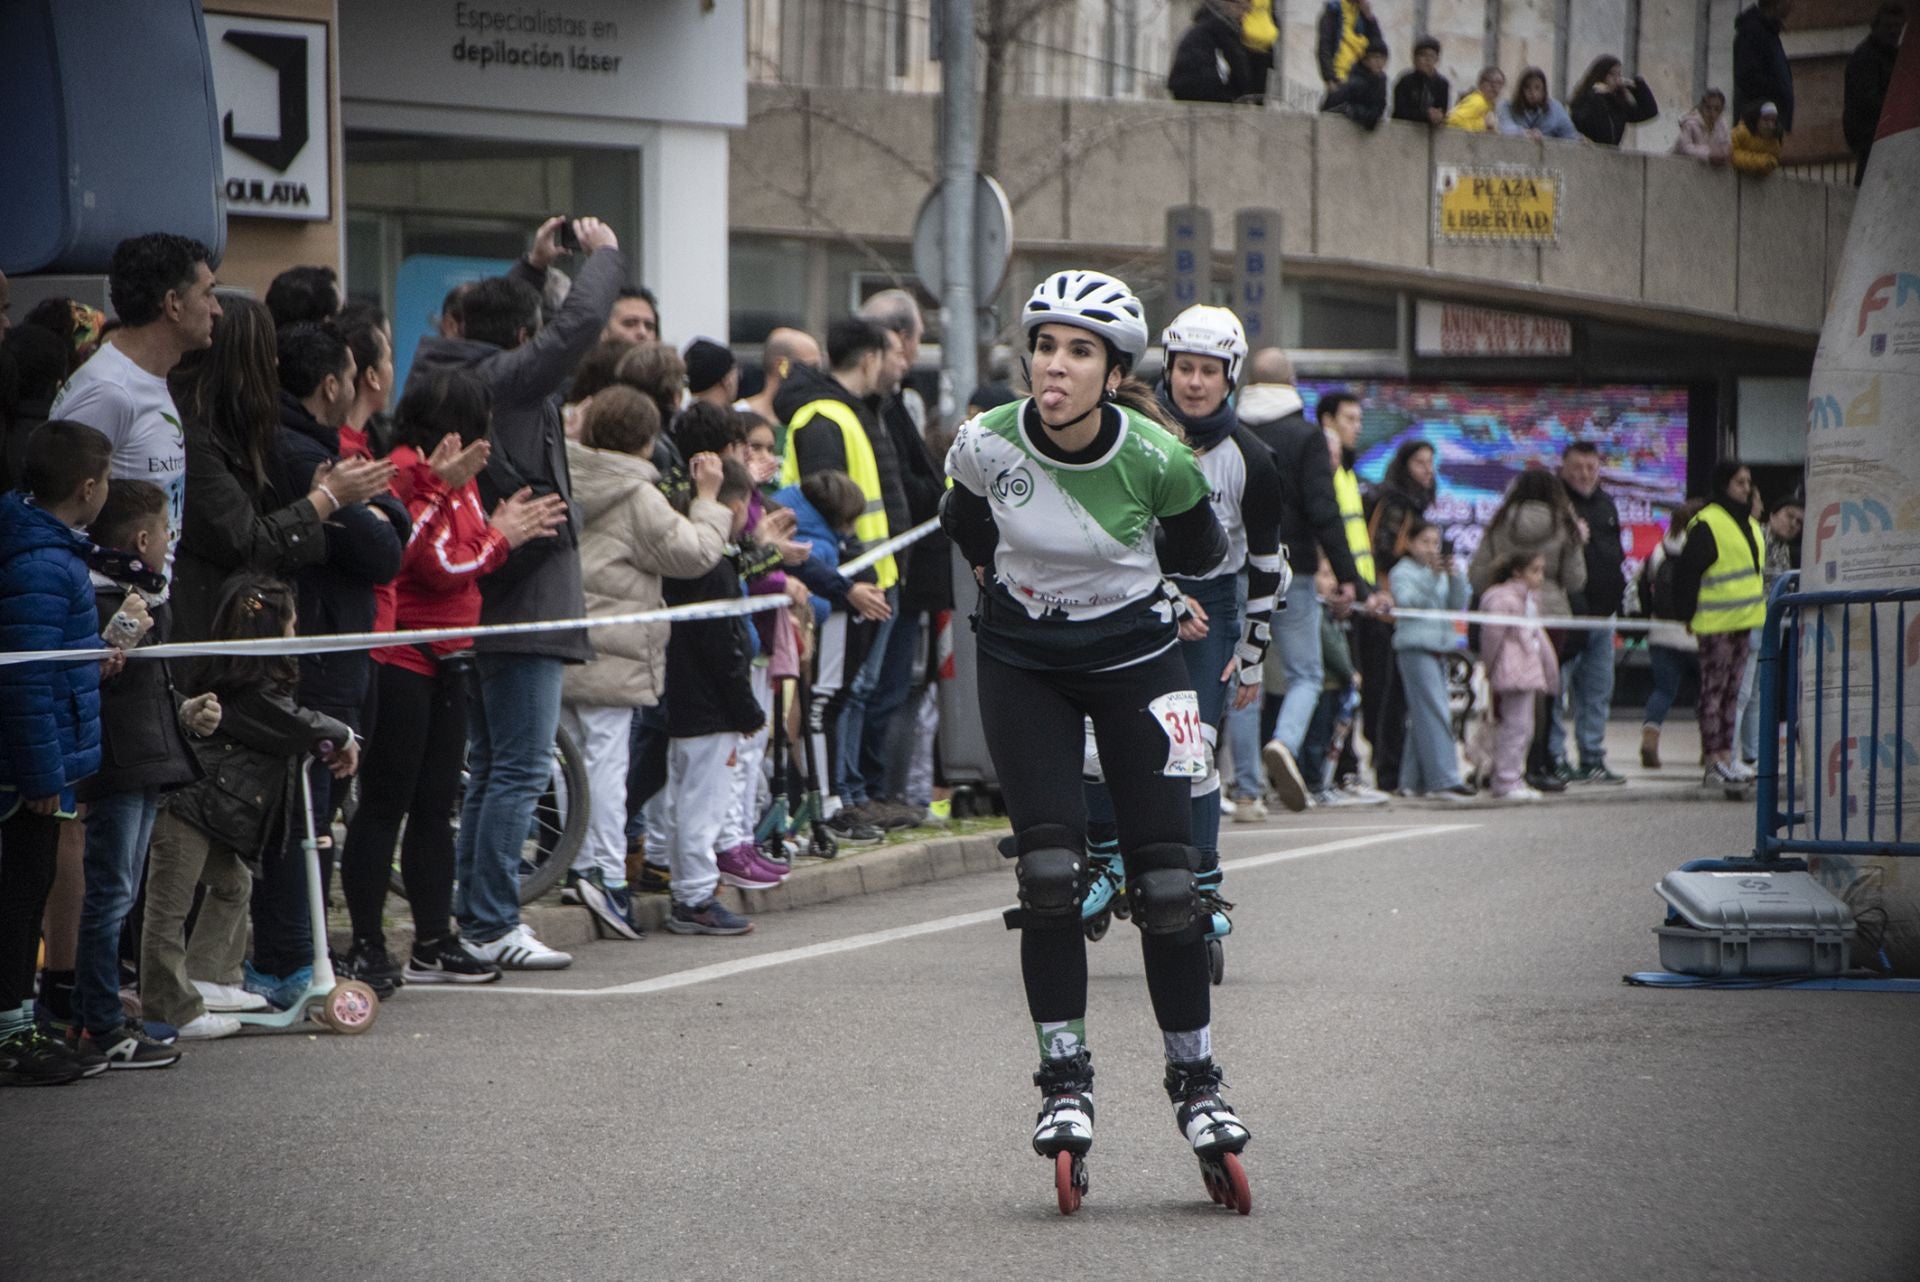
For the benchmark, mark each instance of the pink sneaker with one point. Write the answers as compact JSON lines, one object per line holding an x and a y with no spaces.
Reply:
{"x":776,"y":871}
{"x":739,"y":866}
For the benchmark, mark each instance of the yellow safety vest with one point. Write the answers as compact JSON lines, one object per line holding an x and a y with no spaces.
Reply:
{"x":871,"y":528}
{"x":1258,"y":30}
{"x":1346,"y":488}
{"x":1733,"y":594}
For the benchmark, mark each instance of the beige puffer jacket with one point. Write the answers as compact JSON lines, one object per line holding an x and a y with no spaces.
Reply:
{"x":1530,"y":528}
{"x":632,"y":537}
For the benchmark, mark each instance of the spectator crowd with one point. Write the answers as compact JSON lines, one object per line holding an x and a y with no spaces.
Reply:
{"x":209,"y":468}
{"x":1225,"y":56}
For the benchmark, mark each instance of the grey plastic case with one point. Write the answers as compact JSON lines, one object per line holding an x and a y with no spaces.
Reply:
{"x":1753,"y":924}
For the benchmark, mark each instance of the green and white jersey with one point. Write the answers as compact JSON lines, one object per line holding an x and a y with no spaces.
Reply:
{"x":1076,"y":549}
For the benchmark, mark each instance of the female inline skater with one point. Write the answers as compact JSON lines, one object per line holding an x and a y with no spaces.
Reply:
{"x":1068,"y":508}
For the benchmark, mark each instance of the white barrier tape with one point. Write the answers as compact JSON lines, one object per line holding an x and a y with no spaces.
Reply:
{"x":1582,"y":624}
{"x":343,"y":641}
{"x":873,"y":555}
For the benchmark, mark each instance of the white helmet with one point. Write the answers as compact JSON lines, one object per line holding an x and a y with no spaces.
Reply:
{"x":1092,"y":301}
{"x":1208,"y":331}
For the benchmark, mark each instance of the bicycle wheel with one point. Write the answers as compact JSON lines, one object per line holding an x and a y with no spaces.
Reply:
{"x":557,"y":828}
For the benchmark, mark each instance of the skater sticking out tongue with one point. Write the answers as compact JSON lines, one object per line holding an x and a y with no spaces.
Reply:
{"x":1071,"y":510}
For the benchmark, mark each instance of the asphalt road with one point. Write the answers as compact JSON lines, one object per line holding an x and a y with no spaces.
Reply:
{"x":1427,"y":1034}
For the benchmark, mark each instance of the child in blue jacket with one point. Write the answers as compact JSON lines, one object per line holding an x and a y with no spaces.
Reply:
{"x":1427,"y":579}
{"x":49,"y":717}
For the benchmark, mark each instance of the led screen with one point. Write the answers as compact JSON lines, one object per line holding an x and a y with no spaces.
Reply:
{"x":1485,"y":435}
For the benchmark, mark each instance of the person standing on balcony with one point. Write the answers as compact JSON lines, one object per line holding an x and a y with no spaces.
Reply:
{"x":1475,"y":111}
{"x":1210,"y":64}
{"x":1761,"y":73}
{"x":1704,"y":132}
{"x":1363,"y":98}
{"x":1869,"y":73}
{"x":1347,"y":28}
{"x":1532,"y":112}
{"x":1422,"y":94}
{"x":1607,"y":102}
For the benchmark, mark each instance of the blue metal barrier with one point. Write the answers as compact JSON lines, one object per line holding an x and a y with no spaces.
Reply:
{"x":1785,"y":823}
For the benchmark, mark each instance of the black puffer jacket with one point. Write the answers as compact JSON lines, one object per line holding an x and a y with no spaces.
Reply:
{"x":541,"y":580}
{"x":363,"y":550}
{"x":1604,"y":117}
{"x":141,"y":742}
{"x":1211,"y":65}
{"x":248,"y":769}
{"x":1606,"y":589}
{"x":1310,"y":521}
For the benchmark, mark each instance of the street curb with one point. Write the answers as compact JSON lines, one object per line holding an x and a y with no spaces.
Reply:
{"x":855,"y":872}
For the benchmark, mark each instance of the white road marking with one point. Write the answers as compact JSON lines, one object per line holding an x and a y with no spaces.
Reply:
{"x":850,"y":943}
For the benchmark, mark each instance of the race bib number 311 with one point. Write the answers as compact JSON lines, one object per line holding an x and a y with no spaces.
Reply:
{"x":1179,"y":715}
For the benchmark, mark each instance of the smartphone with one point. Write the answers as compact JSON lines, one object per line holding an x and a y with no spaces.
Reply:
{"x":564,"y":236}
{"x":1446,"y":546}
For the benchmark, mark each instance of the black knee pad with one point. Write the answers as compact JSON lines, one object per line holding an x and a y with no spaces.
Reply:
{"x":1161,"y":889}
{"x":1051,"y":864}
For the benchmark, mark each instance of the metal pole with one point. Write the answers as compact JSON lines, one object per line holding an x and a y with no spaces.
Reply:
{"x":959,"y":132}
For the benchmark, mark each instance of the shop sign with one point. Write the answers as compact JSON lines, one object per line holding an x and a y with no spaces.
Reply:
{"x":1453,"y":329}
{"x":270,"y":81}
{"x":1496,"y":205}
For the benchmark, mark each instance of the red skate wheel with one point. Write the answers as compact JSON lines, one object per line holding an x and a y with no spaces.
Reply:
{"x":1063,"y":1187}
{"x":1239,"y":1195}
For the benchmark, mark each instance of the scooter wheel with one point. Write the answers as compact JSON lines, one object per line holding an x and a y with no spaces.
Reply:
{"x":1096,"y":926}
{"x":823,"y":845}
{"x":1216,"y":961}
{"x":350,"y":1008}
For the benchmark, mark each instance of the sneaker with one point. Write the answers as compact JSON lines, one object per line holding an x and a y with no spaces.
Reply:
{"x":905,"y":813}
{"x":447,"y":961}
{"x":709,"y":918}
{"x":1597,"y":773}
{"x":1358,"y":794}
{"x":165,"y":1034}
{"x":655,"y":879}
{"x":884,"y":815}
{"x":207,"y":1026}
{"x":1284,"y":774}
{"x":611,"y":908}
{"x":1521,"y":793}
{"x":226,"y":999}
{"x":737,"y":868}
{"x":519,"y":950}
{"x":940,"y":810}
{"x":570,"y":889}
{"x":1724,"y":774}
{"x":850,"y":828}
{"x":280,"y":992}
{"x":1546,"y":781}
{"x":1459,"y":792}
{"x":1249,"y":810}
{"x":1563,"y":771}
{"x":129,"y":1047}
{"x":369,"y":962}
{"x":1746,"y":771}
{"x":778,"y":871}
{"x":31,"y":1058}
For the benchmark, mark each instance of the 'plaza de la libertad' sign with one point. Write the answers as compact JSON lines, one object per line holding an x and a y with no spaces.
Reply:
{"x":1496,"y":205}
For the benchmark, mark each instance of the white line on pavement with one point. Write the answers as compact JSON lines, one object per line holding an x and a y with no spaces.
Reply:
{"x":761,"y":961}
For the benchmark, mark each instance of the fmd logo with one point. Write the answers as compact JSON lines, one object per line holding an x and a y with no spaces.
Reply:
{"x":1825,"y":413}
{"x":1868,"y":516}
{"x":1895,"y":290}
{"x":270,"y":79}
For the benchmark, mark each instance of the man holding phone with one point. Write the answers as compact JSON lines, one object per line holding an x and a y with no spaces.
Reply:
{"x":524,"y":364}
{"x":1586,"y":680}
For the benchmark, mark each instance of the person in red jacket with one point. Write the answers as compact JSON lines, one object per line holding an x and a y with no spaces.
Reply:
{"x":415,"y":755}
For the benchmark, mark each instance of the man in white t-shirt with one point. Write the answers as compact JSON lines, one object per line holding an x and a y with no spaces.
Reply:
{"x":162,"y":290}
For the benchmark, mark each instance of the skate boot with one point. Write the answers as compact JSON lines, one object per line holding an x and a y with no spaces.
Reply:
{"x":1216,"y":1134}
{"x":1063,"y":1132}
{"x":1219,"y":924}
{"x":1097,"y":909}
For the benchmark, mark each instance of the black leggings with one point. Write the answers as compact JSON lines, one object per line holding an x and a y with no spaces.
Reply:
{"x":411,"y":771}
{"x":29,"y":856}
{"x":1034,"y":732}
